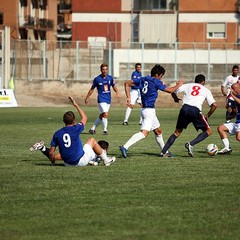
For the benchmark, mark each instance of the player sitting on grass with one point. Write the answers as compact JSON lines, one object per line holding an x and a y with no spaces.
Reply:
{"x":67,"y":139}
{"x":231,"y":128}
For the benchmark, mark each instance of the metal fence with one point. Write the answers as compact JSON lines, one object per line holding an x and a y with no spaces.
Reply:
{"x":66,"y":61}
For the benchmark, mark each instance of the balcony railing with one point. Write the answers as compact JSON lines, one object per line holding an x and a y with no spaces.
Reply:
{"x":37,"y":23}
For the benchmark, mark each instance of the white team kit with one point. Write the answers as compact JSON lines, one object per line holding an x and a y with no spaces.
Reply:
{"x":229,"y":81}
{"x":195,"y":94}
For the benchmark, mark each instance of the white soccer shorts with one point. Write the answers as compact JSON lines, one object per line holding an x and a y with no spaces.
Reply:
{"x":103,"y":107}
{"x":233,"y":128}
{"x":135,"y":96}
{"x":88,"y":156}
{"x":149,"y":119}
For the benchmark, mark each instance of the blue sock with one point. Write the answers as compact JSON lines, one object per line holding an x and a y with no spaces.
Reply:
{"x":169,"y":143}
{"x":199,"y":138}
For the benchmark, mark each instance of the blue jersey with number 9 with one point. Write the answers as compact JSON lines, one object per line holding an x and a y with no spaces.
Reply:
{"x":69,"y":143}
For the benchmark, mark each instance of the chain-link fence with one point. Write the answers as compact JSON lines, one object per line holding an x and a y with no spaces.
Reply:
{"x":44,"y":60}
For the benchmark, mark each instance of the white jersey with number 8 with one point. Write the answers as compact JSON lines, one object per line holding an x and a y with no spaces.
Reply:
{"x":195,"y":94}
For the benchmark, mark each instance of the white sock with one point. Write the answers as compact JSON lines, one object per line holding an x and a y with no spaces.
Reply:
{"x":160,"y":141}
{"x":105,"y":123}
{"x":96,"y":123}
{"x":140,"y":120}
{"x":225,"y":142}
{"x":135,"y":138}
{"x":127,"y":114}
{"x":43,"y":149}
{"x":104,"y":157}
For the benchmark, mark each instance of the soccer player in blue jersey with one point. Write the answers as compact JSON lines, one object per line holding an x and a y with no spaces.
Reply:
{"x":135,"y":95}
{"x":103,"y":83}
{"x":71,"y":149}
{"x":191,"y":112}
{"x":231,"y":128}
{"x":149,"y":87}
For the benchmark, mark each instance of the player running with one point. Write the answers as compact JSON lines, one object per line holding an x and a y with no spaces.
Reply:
{"x":135,"y":95}
{"x":149,"y":93}
{"x":191,"y":112}
{"x":103,"y":83}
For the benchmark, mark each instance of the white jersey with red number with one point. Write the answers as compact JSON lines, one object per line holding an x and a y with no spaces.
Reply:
{"x":195,"y":94}
{"x":229,"y":81}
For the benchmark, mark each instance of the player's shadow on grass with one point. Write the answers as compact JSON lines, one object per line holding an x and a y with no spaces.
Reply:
{"x":50,"y":165}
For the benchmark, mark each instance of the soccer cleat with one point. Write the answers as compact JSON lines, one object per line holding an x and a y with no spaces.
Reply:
{"x":225,"y":151}
{"x":123,"y":151}
{"x":93,"y":163}
{"x":105,"y":133}
{"x":190,"y":149}
{"x":37,"y":146}
{"x":111,"y":160}
{"x":125,"y":123}
{"x":228,"y":121}
{"x":166,"y":155}
{"x":92,"y":131}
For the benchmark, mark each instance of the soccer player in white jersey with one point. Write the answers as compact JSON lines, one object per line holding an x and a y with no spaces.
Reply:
{"x":149,"y":87}
{"x":135,"y":96}
{"x":231,"y":128}
{"x":103,"y":83}
{"x":191,"y":112}
{"x":231,"y":105}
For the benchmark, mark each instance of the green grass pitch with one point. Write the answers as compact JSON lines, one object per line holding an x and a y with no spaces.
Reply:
{"x":141,"y":197}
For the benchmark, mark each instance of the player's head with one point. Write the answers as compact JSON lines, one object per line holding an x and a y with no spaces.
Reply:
{"x":138,"y":67}
{"x":200,"y":78}
{"x":236,"y":88}
{"x":157,"y":70}
{"x":69,"y":118}
{"x":235,"y":70}
{"x":104,"y":69}
{"x":103,"y":144}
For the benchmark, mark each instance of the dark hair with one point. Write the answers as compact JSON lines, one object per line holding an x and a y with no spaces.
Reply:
{"x":138,"y":64}
{"x":157,"y":69}
{"x":235,"y":67}
{"x":103,"y":144}
{"x":199,"y":78}
{"x":68,"y":118}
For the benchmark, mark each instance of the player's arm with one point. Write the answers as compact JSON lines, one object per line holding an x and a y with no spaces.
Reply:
{"x":174,"y":88}
{"x":223,"y":91}
{"x":88,"y":95}
{"x":212,"y":109}
{"x":116,"y":91}
{"x":127,"y":86}
{"x":175,"y":97}
{"x":52,"y":154}
{"x":80,"y":111}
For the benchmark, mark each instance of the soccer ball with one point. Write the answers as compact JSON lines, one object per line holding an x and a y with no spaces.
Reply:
{"x":212,"y":149}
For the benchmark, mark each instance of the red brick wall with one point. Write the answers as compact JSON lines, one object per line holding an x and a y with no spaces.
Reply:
{"x":81,"y":31}
{"x":96,"y":6}
{"x":207,"y":6}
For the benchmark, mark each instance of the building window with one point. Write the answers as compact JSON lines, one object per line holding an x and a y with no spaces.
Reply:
{"x":150,"y":5}
{"x":1,"y":18}
{"x":159,"y":4}
{"x":216,"y":30}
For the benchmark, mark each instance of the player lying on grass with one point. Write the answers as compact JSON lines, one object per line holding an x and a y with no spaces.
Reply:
{"x":149,"y":87}
{"x":191,"y":112}
{"x":231,"y":128}
{"x":67,"y":139}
